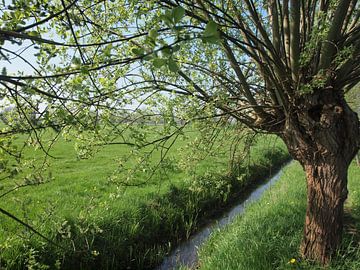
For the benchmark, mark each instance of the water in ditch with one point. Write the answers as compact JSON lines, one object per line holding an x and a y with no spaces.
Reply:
{"x":186,"y":253}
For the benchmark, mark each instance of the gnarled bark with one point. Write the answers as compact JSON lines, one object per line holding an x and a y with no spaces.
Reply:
{"x":323,"y":135}
{"x":326,"y":194}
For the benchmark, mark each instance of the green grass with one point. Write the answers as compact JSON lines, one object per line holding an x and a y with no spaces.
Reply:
{"x":103,"y":224}
{"x":268,"y":235}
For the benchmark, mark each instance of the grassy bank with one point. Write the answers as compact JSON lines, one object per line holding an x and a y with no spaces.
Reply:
{"x":268,"y":235}
{"x":103,"y":224}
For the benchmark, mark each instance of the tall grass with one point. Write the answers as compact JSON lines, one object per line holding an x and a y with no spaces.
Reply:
{"x":268,"y":235}
{"x":101,"y":224}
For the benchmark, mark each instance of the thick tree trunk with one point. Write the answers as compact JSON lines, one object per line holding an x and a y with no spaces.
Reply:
{"x":323,"y":135}
{"x":326,"y":194}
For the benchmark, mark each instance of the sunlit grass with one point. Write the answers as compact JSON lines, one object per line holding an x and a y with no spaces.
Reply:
{"x":268,"y":235}
{"x":105,"y":224}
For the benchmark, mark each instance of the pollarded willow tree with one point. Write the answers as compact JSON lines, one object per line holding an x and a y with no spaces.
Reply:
{"x":278,"y":66}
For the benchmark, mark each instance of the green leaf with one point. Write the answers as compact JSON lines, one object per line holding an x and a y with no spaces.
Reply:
{"x":168,"y":14}
{"x":173,"y":65}
{"x":159,"y":62}
{"x":177,"y":14}
{"x":166,"y":51}
{"x":137,"y":51}
{"x":150,"y":41}
{"x":75,"y":62}
{"x":176,"y":48}
{"x":153,"y":33}
{"x":211,"y":39}
{"x":167,"y":18}
{"x":107,"y":50}
{"x":84,"y":70}
{"x":33,"y":33}
{"x":211,"y":33}
{"x":211,"y":29}
{"x":148,"y":57}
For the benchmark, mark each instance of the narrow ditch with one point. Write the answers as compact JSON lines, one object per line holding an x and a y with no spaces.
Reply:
{"x":186,"y":253}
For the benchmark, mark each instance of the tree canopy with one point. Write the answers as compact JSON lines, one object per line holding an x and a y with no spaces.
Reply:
{"x":251,"y":60}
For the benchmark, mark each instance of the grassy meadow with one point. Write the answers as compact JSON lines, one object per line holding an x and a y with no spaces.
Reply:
{"x":268,"y":235}
{"x":103,"y":214}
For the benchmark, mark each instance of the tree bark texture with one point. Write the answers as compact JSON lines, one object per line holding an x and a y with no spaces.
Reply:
{"x":326,"y":194}
{"x":323,"y":135}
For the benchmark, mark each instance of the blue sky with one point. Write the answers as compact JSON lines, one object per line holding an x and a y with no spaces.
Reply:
{"x":16,"y":64}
